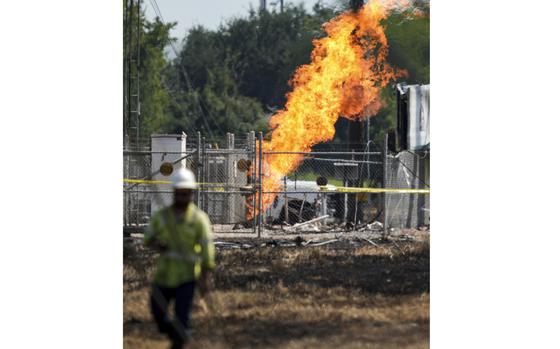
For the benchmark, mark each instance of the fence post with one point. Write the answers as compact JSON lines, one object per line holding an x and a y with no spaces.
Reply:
{"x":385,"y":197}
{"x":261,"y":215}
{"x":198,"y":166}
{"x":254,"y":183}
{"x":354,"y":199}
{"x":230,"y":165}
{"x":204,"y":174}
{"x":125,"y":195}
{"x":286,"y":202}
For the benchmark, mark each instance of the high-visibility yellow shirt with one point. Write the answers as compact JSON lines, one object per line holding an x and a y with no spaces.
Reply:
{"x":189,"y":245}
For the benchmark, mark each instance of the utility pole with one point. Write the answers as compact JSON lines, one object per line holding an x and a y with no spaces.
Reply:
{"x":263,"y":5}
{"x":131,"y":105}
{"x":131,"y":117}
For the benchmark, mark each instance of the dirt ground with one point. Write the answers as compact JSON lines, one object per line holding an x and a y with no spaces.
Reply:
{"x":348,"y":294}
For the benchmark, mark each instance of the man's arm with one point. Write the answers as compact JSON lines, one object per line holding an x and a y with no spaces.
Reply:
{"x":150,"y":235}
{"x":207,"y":244}
{"x":207,"y":254}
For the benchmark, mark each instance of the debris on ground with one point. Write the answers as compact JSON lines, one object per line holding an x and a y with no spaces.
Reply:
{"x":310,"y":224}
{"x":343,"y":291}
{"x":375,"y":226}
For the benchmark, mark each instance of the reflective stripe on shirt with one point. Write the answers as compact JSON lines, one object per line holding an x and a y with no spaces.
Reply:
{"x":182,"y":257}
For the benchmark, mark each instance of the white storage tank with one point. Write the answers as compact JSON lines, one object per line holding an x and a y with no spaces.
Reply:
{"x":166,"y":148}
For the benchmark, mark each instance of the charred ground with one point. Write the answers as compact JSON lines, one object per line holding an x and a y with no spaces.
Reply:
{"x":348,"y":294}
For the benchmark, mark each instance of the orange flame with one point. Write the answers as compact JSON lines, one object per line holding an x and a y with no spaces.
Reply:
{"x":347,"y":71}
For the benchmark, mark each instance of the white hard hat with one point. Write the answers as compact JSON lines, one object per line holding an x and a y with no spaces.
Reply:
{"x":183,"y":179}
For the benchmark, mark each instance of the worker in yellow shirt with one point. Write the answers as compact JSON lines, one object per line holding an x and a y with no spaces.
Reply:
{"x":182,"y":234}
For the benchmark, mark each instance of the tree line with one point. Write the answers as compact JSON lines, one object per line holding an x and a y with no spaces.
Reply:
{"x":233,"y":78}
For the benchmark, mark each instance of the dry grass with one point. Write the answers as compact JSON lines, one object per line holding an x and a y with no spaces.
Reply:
{"x":314,"y":297}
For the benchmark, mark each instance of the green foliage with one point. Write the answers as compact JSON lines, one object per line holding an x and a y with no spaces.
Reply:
{"x":239,"y":73}
{"x":216,"y":109}
{"x":409,"y":48}
{"x":386,"y":118}
{"x":266,"y":48}
{"x":260,"y":52}
{"x":154,"y":97}
{"x":144,"y":43}
{"x":409,"y":45}
{"x":233,"y":78}
{"x":205,"y":90}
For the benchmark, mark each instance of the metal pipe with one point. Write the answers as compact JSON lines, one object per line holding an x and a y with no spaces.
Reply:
{"x":385,"y":197}
{"x":204,"y":174}
{"x":138,"y":106}
{"x":355,"y":197}
{"x":254,"y":159}
{"x":225,"y":192}
{"x":149,"y":152}
{"x":311,"y":221}
{"x":286,"y":201}
{"x":301,"y":192}
{"x":320,"y":153}
{"x":261,"y":215}
{"x":237,"y":151}
{"x":348,"y":161}
{"x":198,"y":167}
{"x":223,"y":151}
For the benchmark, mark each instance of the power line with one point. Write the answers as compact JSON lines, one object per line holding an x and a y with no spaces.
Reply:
{"x":200,"y":103}
{"x":171,"y":94}
{"x":131,"y":63}
{"x":155,"y":6}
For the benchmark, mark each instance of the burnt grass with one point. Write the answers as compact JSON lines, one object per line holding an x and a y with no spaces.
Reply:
{"x":297,"y":297}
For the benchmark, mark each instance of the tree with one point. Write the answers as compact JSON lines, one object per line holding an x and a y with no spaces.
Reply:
{"x":232,"y":78}
{"x":409,"y":45}
{"x":205,"y":90}
{"x":154,"y":95}
{"x":267,"y":47}
{"x":144,"y":43}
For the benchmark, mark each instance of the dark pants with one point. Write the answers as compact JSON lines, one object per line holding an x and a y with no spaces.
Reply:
{"x":178,"y":329}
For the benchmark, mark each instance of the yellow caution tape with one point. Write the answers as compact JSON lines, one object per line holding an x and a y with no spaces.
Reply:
{"x":374,"y":190}
{"x":220,"y":187}
{"x":145,"y":181}
{"x":151,"y":181}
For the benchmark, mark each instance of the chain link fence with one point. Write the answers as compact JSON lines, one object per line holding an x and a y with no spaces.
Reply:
{"x":136,"y":198}
{"x":312,"y":189}
{"x":340,"y":188}
{"x":410,"y":170}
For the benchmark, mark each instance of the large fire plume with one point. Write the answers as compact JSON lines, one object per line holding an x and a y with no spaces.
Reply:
{"x":347,"y":71}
